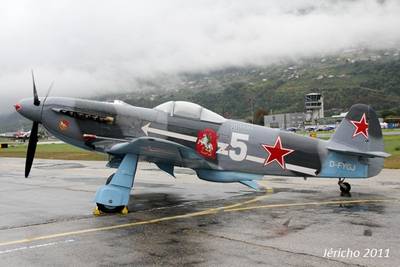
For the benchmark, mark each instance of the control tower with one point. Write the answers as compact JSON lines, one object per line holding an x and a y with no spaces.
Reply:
{"x":314,"y":103}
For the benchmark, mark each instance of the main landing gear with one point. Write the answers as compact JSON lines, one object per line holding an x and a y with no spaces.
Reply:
{"x":113,"y":197}
{"x":344,"y":186}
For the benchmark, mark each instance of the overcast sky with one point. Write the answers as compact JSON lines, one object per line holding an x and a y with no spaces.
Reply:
{"x":89,"y":47}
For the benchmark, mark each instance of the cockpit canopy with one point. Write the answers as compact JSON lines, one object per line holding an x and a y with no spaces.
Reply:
{"x":189,"y":110}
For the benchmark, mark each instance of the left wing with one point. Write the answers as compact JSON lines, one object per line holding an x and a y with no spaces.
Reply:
{"x":160,"y":151}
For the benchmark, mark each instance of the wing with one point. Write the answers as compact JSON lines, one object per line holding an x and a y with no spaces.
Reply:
{"x":160,"y":151}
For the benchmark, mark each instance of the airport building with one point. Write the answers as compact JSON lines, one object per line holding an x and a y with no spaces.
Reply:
{"x":314,"y":103}
{"x":314,"y":112}
{"x":285,"y":121}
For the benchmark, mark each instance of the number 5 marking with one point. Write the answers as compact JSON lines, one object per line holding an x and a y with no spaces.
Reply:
{"x":237,"y":142}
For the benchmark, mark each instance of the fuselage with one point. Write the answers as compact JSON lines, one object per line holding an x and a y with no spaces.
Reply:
{"x":242,"y":147}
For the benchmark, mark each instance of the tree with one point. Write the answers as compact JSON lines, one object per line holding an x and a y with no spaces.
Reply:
{"x":259,"y":116}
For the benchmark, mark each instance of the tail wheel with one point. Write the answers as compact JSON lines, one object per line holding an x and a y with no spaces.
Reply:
{"x":344,"y":187}
{"x":109,"y":209}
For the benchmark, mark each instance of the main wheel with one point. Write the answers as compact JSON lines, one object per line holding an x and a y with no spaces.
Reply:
{"x":345,"y":187}
{"x":109,"y":209}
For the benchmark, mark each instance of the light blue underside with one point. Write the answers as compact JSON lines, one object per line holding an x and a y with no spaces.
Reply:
{"x":253,"y":185}
{"x":226,"y":176}
{"x":343,"y":166}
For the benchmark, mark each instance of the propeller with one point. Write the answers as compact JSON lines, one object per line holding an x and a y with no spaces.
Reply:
{"x":33,"y":138}
{"x":30,"y":154}
{"x":36,"y":100}
{"x":44,"y":101}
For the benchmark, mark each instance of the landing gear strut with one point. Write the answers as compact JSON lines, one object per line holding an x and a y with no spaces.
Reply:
{"x":344,"y":186}
{"x":113,"y":197}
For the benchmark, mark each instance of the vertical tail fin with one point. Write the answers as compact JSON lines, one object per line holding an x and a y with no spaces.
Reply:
{"x":360,"y":134}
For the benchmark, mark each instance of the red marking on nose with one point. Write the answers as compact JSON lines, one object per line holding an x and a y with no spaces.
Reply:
{"x":17,"y":106}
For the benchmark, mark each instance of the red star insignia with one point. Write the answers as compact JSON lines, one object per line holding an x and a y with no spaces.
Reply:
{"x":276,"y":153}
{"x":361,"y":127}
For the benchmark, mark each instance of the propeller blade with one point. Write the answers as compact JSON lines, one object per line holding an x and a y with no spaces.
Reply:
{"x":30,"y":154}
{"x":36,"y":100}
{"x":48,"y":93}
{"x":49,"y":90}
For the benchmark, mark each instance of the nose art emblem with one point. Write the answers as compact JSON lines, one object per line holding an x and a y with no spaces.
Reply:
{"x":17,"y":106}
{"x":63,"y":125}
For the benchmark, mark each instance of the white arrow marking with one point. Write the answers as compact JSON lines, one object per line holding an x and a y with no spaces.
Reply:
{"x":290,"y":167}
{"x":147,"y":129}
{"x":222,"y":148}
{"x":255,"y":159}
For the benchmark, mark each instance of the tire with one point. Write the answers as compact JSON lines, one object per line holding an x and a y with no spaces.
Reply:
{"x":109,"y":209}
{"x":110,"y":178}
{"x":106,"y":208}
{"x":345,"y":187}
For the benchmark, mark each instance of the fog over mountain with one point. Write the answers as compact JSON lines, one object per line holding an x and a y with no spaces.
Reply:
{"x":92,"y":47}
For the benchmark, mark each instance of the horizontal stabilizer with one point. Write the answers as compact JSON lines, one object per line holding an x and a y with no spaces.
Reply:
{"x":301,"y":169}
{"x":353,"y":151}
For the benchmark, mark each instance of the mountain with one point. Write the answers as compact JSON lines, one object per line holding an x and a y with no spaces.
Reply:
{"x":354,"y":76}
{"x":13,"y":122}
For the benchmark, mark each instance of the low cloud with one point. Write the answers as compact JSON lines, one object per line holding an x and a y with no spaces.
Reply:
{"x":91,"y":47}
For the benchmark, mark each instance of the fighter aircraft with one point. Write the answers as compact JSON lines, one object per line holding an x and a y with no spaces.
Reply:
{"x":179,"y":133}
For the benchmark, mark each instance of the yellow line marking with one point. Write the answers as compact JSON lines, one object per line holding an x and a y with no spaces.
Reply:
{"x":310,"y":204}
{"x":265,"y":184}
{"x":230,"y":208}
{"x":245,"y":202}
{"x":91,"y":230}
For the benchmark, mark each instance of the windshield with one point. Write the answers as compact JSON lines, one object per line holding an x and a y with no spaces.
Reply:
{"x":189,"y":110}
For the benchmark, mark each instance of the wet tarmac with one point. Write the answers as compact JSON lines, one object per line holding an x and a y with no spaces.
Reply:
{"x":47,"y":220}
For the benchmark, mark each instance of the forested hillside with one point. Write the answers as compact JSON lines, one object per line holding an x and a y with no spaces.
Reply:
{"x":352,"y":77}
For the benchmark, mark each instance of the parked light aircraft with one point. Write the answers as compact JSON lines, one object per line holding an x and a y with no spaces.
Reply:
{"x":20,"y":135}
{"x":179,"y":133}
